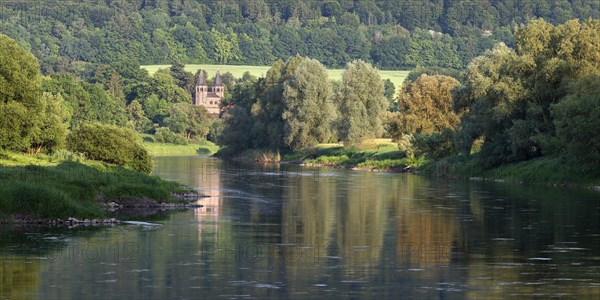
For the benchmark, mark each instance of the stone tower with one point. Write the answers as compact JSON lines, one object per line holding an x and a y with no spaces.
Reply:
{"x":209,"y":97}
{"x":201,"y":90}
{"x":218,"y":88}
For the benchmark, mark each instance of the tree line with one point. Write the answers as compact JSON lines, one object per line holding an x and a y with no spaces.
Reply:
{"x":537,"y":99}
{"x":388,"y":34}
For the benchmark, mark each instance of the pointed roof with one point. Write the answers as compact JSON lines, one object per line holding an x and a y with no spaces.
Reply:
{"x":218,"y":81}
{"x":201,"y":81}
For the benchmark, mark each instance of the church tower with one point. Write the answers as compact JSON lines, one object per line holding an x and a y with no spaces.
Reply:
{"x":218,"y":88}
{"x":209,"y":97}
{"x":201,"y":90}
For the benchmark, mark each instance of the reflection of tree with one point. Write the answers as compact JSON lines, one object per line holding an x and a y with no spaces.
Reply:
{"x":427,"y":226}
{"x":19,"y":277}
{"x":361,"y":221}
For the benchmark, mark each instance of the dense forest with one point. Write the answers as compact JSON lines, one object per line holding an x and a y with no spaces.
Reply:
{"x":389,"y":34}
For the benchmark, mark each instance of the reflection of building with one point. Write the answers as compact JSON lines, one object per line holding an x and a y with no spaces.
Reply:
{"x":208,"y":215}
{"x":209,"y":97}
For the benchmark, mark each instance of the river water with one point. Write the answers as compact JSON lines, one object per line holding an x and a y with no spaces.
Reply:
{"x":308,"y":233}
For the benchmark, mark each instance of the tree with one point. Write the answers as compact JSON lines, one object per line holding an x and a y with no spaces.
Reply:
{"x":577,"y":119}
{"x":389,"y":91}
{"x":20,"y":92}
{"x":361,"y":103}
{"x":137,"y":117}
{"x":182,"y":78}
{"x":309,"y":111}
{"x":425,"y":105}
{"x":51,"y":132}
{"x":191,"y":121}
{"x":508,"y":95}
{"x":226,"y":46}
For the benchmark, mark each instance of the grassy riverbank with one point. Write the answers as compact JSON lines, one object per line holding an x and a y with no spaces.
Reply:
{"x":44,"y":187}
{"x":162,"y":149}
{"x":552,"y":170}
{"x":375,"y":155}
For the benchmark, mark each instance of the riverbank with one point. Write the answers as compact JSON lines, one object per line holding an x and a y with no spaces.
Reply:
{"x":162,"y":149}
{"x":548,"y":170}
{"x":379,"y":155}
{"x":37,"y":188}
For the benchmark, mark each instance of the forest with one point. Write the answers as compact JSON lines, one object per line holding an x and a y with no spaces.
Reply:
{"x":395,"y":34}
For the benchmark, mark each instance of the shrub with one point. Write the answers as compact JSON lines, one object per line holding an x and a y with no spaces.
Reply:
{"x":436,"y":145}
{"x":110,"y":144}
{"x":165,"y":135}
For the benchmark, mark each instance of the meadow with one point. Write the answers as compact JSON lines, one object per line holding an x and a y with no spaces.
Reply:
{"x":396,"y":77}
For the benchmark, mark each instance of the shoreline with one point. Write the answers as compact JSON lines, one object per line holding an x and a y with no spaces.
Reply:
{"x":35,"y":189}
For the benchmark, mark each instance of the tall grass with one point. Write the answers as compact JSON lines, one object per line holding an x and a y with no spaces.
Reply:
{"x":74,"y":189}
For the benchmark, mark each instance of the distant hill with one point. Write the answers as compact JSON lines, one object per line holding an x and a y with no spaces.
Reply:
{"x":399,"y":34}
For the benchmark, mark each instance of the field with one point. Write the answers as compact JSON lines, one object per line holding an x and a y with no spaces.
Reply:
{"x":397,"y":77}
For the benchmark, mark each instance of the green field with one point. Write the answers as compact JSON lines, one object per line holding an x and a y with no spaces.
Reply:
{"x":397,"y":77}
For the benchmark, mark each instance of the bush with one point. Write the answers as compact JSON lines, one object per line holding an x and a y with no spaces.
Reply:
{"x":165,"y":135}
{"x":110,"y":144}
{"x":435,"y":146}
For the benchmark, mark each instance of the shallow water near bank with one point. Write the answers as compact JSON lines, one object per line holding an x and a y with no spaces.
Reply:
{"x":310,"y":233}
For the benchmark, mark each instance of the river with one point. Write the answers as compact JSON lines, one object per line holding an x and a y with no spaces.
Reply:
{"x":288,"y":232}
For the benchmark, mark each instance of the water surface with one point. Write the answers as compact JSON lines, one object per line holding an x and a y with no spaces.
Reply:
{"x":307,"y":233}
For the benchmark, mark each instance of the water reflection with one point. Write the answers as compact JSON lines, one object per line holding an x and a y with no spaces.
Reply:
{"x":281,"y":231}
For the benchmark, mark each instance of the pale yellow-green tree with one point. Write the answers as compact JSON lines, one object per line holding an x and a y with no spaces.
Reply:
{"x":425,"y":105}
{"x":309,"y":111}
{"x":361,"y":103}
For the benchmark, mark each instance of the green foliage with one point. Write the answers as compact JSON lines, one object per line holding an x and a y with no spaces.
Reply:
{"x":309,"y":111}
{"x":391,"y":34}
{"x":165,"y":135}
{"x":188,"y":120}
{"x":110,"y":144}
{"x":361,"y":103}
{"x":577,"y":120}
{"x":51,"y":132}
{"x":86,"y":102}
{"x":425,"y":106}
{"x":435,"y":146}
{"x":508,"y":95}
{"x":20,"y":94}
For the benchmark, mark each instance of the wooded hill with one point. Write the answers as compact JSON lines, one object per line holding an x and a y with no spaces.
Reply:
{"x":398,"y":34}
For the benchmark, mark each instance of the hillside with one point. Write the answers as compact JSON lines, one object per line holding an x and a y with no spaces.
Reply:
{"x":390,"y":34}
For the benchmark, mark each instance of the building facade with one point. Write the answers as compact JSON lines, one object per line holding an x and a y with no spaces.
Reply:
{"x":209,"y":97}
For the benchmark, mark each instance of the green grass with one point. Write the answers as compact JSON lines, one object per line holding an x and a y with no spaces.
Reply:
{"x":542,"y":170}
{"x":397,"y":77}
{"x":378,"y":154}
{"x":164,"y":149}
{"x":39,"y":187}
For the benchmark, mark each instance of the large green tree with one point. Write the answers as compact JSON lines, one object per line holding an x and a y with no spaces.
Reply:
{"x":309,"y":111}
{"x":361,"y":103}
{"x":20,"y":92}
